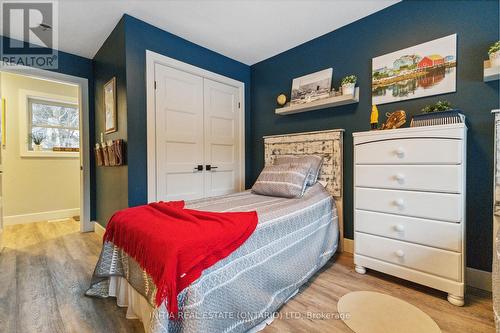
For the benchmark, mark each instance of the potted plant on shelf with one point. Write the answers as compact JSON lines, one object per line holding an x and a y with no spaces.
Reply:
{"x":37,"y":139}
{"x":440,"y":113}
{"x":348,"y":83}
{"x":494,"y":53}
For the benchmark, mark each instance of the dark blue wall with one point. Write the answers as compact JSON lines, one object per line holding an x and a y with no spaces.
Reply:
{"x":111,"y":183}
{"x":139,"y":37}
{"x":71,"y":64}
{"x":349,"y":50}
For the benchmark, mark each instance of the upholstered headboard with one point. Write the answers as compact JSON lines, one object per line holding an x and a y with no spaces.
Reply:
{"x":329,"y":144}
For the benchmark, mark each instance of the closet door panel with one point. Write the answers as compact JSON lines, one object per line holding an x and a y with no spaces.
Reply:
{"x":222,"y":138}
{"x":179,"y":134}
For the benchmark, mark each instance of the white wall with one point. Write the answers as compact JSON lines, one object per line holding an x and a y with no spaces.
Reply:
{"x":35,"y":188}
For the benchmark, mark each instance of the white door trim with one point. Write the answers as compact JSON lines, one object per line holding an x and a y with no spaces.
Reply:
{"x":85,"y":224}
{"x":153,"y":58}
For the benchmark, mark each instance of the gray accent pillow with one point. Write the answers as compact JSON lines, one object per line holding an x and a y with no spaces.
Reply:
{"x":285,"y":180}
{"x":315,"y":161}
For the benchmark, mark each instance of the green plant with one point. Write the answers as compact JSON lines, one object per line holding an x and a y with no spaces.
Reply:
{"x":494,"y":48}
{"x":350,"y":79}
{"x":37,"y":138}
{"x":439,"y":106}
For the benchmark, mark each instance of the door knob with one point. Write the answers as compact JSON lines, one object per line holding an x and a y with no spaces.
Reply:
{"x":209,"y":167}
{"x":199,"y":167}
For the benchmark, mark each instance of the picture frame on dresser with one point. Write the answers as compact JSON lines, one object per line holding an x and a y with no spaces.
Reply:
{"x":409,"y":205}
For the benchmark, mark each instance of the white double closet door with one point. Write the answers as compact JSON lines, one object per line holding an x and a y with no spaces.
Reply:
{"x":198,"y":139}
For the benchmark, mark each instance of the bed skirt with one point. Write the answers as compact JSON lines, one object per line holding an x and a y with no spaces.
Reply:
{"x":126,"y":296}
{"x":139,"y":308}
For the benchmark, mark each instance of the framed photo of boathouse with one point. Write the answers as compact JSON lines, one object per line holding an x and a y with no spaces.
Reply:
{"x":422,"y":70}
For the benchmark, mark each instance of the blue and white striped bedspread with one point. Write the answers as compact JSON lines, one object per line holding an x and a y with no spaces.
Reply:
{"x":293,"y":239}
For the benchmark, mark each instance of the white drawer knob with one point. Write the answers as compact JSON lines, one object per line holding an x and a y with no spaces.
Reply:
{"x":400,"y":253}
{"x":400,"y":178}
{"x":400,"y":153}
{"x":400,"y":203}
{"x":399,"y":228}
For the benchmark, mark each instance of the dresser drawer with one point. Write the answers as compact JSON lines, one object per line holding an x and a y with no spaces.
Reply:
{"x":435,"y":178}
{"x":426,"y":259}
{"x":447,"y":236}
{"x":434,"y":206}
{"x":410,"y":151}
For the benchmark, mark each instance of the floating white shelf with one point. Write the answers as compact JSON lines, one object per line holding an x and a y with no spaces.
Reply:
{"x":491,"y":73}
{"x":323,"y":103}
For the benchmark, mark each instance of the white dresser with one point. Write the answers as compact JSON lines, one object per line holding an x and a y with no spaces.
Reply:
{"x":409,"y":205}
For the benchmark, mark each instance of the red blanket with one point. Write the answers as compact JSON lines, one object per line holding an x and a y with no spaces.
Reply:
{"x":174,"y":245}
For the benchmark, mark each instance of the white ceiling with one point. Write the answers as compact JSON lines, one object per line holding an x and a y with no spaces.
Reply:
{"x":244,"y":30}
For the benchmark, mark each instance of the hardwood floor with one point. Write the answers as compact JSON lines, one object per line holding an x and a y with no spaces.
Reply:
{"x":46,"y":267}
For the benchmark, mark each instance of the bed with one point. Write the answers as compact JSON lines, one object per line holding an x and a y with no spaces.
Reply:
{"x":293,"y":240}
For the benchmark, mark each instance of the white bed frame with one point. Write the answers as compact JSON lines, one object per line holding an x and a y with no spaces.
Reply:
{"x":329,"y":144}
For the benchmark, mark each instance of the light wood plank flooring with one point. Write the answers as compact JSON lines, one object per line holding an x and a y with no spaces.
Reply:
{"x":46,"y":267}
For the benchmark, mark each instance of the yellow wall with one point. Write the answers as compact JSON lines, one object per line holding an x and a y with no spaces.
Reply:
{"x":33,"y":185}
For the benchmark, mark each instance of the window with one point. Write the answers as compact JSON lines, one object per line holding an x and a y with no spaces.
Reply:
{"x":56,"y":122}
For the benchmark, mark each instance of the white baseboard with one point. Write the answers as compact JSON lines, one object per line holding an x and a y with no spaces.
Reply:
{"x":348,"y":245}
{"x":478,"y":279}
{"x":99,"y":229}
{"x":474,"y":277}
{"x":42,"y":216}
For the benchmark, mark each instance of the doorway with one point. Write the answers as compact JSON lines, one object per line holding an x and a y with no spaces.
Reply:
{"x":45,"y":128}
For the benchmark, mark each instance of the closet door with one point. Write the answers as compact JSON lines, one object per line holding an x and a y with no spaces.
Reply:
{"x":222,"y":138}
{"x":179,"y":134}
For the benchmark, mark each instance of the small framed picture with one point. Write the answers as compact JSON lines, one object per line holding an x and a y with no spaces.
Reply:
{"x":311,"y":87}
{"x":110,"y":106}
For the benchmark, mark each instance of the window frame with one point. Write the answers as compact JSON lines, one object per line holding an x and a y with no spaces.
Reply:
{"x":25,"y":122}
{"x":32,"y":101}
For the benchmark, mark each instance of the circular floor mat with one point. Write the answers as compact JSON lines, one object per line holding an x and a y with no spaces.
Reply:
{"x":372,"y":312}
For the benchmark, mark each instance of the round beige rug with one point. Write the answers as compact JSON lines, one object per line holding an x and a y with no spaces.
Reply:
{"x":372,"y":312}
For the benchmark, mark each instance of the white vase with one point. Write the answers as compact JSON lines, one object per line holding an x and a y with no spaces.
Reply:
{"x":37,"y":147}
{"x":348,"y":89}
{"x":495,"y":59}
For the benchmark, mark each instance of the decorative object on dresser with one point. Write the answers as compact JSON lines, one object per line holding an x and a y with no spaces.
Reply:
{"x":440,"y":113}
{"x":394,"y":120}
{"x":374,"y":118}
{"x":409,"y":201}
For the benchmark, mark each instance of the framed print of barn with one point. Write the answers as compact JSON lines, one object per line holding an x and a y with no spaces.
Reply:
{"x":422,"y":70}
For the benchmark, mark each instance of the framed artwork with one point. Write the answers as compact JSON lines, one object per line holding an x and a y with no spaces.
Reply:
{"x":422,"y":70}
{"x":110,"y":106}
{"x":311,"y":87}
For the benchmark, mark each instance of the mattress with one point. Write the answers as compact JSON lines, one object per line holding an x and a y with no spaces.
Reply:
{"x":293,"y":239}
